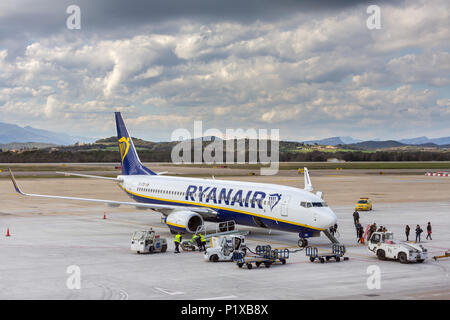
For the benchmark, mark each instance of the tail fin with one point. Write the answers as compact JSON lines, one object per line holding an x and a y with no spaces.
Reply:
{"x":129,"y":158}
{"x":308,"y":184}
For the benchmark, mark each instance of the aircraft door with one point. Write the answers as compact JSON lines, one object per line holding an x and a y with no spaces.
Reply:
{"x":284,"y":206}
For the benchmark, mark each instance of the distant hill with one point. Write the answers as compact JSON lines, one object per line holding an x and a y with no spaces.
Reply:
{"x":333,"y":141}
{"x":377,"y":144}
{"x":25,"y":145}
{"x":425,"y":140}
{"x":13,"y":133}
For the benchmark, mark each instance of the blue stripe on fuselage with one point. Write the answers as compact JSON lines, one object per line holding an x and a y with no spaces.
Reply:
{"x":229,"y":214}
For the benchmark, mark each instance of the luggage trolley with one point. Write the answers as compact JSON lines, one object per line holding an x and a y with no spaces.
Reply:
{"x":337,"y":252}
{"x":262,"y":255}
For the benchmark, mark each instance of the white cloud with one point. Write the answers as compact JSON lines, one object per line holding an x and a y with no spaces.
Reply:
{"x":308,"y":74}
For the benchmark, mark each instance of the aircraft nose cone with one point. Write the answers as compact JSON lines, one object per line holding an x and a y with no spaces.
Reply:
{"x":326,"y":219}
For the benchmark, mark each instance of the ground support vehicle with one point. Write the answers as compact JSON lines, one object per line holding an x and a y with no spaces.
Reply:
{"x":148,"y":241}
{"x":383,"y":246}
{"x":223,"y":247}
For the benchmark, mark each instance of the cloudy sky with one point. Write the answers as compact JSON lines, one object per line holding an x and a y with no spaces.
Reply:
{"x":311,"y":70}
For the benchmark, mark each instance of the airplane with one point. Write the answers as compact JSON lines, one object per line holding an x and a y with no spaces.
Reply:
{"x":186,"y":203}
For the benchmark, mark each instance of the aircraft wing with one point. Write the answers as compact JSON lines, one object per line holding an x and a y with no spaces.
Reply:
{"x":163,"y":208}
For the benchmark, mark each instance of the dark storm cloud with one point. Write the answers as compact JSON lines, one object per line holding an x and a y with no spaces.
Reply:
{"x":24,"y":20}
{"x":48,"y":16}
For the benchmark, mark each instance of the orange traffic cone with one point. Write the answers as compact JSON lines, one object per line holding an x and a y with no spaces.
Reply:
{"x":7,"y":233}
{"x":104,"y":216}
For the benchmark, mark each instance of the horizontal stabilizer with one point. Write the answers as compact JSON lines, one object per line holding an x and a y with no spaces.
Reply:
{"x":67,"y":174}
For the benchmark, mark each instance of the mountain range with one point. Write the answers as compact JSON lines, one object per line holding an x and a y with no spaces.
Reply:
{"x":11,"y":133}
{"x":419,"y":141}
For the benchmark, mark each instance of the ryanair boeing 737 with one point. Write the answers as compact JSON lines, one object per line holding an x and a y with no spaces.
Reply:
{"x":186,"y":203}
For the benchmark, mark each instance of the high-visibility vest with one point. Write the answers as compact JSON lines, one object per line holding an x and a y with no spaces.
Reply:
{"x":202,"y":238}
{"x":194,"y":237}
{"x":178,"y":238}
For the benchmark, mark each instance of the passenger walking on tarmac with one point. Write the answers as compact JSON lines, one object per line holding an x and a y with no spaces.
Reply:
{"x":360,"y":232}
{"x":372,"y":229}
{"x":358,"y":226}
{"x":429,"y":231}
{"x":407,"y":229}
{"x":418,"y":232}
{"x":332,"y":230}
{"x":203,"y":242}
{"x":177,"y":241}
{"x":356,"y":217}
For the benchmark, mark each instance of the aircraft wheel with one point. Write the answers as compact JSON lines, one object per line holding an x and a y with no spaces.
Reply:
{"x":302,"y":243}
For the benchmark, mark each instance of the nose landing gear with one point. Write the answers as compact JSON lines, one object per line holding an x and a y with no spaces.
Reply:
{"x":302,"y":242}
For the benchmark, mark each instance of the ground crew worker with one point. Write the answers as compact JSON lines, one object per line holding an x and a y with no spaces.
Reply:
{"x":418,"y":232}
{"x":177,"y":241}
{"x":199,"y":243}
{"x":203,"y":242}
{"x":356,"y":217}
{"x":194,"y":239}
{"x":429,"y":231}
{"x":407,"y":229}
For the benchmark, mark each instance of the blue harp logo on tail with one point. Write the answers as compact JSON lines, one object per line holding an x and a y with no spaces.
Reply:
{"x":274,"y":198}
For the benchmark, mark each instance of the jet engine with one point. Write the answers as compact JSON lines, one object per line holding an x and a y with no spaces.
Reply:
{"x":184,"y":221}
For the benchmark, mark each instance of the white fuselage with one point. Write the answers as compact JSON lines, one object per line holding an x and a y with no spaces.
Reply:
{"x":253,"y":204}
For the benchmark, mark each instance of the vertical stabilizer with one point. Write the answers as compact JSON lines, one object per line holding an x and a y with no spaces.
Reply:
{"x":131,"y":165}
{"x":308,"y":184}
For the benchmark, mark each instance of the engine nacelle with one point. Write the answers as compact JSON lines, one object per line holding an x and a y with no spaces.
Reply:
{"x":184,"y":221}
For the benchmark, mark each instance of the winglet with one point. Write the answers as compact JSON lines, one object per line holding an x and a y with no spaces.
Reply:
{"x":308,"y":184}
{"x":11,"y":175}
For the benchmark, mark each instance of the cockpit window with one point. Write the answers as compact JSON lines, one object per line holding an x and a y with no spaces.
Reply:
{"x":319,"y":204}
{"x":305,"y":204}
